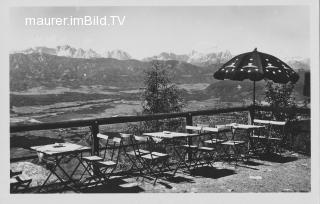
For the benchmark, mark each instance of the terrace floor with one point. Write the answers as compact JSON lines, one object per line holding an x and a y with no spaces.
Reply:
{"x":290,"y":173}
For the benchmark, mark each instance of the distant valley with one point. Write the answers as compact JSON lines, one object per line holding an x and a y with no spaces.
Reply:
{"x":48,"y":87}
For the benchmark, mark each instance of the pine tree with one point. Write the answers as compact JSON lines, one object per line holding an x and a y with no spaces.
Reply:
{"x":160,"y":96}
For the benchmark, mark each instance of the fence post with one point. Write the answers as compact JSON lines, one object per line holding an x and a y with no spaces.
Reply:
{"x":189,"y":122}
{"x":251,"y":115}
{"x":95,"y":141}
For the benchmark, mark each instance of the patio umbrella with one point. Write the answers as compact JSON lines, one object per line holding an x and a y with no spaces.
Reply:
{"x":256,"y":66}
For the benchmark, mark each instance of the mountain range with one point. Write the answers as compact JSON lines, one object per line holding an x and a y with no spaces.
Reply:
{"x":41,"y":69}
{"x":198,"y":58}
{"x":194,"y":57}
{"x":65,"y":66}
{"x":68,"y":51}
{"x":51,"y":71}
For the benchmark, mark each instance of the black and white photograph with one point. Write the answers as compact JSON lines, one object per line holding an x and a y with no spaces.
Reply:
{"x":207,"y":99}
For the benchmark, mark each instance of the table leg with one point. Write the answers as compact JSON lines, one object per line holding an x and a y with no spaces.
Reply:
{"x":182,"y":161}
{"x":75,"y":169}
{"x":249,"y":133}
{"x":52,"y":172}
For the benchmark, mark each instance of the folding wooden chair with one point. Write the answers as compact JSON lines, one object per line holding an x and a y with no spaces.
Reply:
{"x":259,"y":138}
{"x":101,"y":168}
{"x":135,"y":154}
{"x":91,"y":161}
{"x":19,"y":182}
{"x":232,"y":147}
{"x":276,"y":139}
{"x":203,"y":155}
{"x":110,"y":162}
{"x":272,"y":138}
{"x":191,"y":161}
{"x":217,"y":135}
{"x":153,"y":163}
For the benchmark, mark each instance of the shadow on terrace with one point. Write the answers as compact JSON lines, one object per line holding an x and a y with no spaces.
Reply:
{"x":211,"y":151}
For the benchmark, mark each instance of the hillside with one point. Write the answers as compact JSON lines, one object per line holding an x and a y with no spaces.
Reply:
{"x":51,"y":71}
{"x":38,"y":69}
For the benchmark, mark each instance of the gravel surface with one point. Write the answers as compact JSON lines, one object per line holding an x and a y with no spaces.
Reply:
{"x":291,"y":173}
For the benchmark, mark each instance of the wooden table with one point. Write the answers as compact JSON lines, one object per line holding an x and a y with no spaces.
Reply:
{"x":55,"y":153}
{"x":169,"y":135}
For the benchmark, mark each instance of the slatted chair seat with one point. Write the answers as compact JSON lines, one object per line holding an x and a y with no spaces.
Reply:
{"x":206,"y":149}
{"x":258,"y":137}
{"x":232,"y":142}
{"x":92,"y":158}
{"x":189,"y":146}
{"x":137,"y":152}
{"x":275,"y":138}
{"x":19,"y":182}
{"x":155,"y":155}
{"x":160,"y":154}
{"x":150,"y":157}
{"x":23,"y":177}
{"x":107,"y":163}
{"x":13,"y":181}
{"x":214,"y":141}
{"x":14,"y":173}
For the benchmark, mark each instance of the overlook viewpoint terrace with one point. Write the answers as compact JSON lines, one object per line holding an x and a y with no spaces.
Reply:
{"x":247,"y":177}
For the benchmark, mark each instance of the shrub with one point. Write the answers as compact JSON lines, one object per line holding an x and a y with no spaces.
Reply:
{"x":280,"y":96}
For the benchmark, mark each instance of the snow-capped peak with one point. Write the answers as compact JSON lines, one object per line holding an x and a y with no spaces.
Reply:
{"x":117,"y":54}
{"x":65,"y":50}
{"x":194,"y":57}
{"x":68,"y":51}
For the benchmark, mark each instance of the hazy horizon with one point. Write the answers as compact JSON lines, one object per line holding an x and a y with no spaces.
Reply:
{"x":283,"y":31}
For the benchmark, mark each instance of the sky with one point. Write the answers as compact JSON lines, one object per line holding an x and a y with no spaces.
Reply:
{"x":283,"y":31}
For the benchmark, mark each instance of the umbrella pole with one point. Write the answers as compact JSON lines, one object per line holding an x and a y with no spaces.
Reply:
{"x":254,"y":93}
{"x":254,"y":102}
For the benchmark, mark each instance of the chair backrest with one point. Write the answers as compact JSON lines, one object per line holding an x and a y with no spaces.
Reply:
{"x":194,"y":128}
{"x":113,"y":145}
{"x":155,"y":139}
{"x":117,"y":140}
{"x":223,"y":127}
{"x":137,"y":142}
{"x":125,"y":135}
{"x":102,"y":136}
{"x":140,"y":138}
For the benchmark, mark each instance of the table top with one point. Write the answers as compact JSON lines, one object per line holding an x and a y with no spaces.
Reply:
{"x":216,"y":129}
{"x":60,"y":148}
{"x":244,"y":126}
{"x":270,"y":122}
{"x":169,"y":135}
{"x":208,"y":129}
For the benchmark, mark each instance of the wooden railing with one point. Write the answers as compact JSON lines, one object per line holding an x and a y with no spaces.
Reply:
{"x":95,"y":123}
